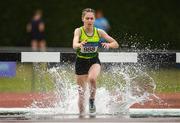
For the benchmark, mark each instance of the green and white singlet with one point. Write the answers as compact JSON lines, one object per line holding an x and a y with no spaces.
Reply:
{"x":90,"y":49}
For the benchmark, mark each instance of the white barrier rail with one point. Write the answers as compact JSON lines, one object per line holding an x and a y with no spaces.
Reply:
{"x":177,"y":57}
{"x":118,"y":57}
{"x":107,"y":57}
{"x":40,"y":56}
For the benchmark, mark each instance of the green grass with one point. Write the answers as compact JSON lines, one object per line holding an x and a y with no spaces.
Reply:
{"x":167,"y":80}
{"x":23,"y":81}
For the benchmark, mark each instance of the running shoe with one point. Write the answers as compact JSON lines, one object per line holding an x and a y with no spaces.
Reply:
{"x":92,"y":107}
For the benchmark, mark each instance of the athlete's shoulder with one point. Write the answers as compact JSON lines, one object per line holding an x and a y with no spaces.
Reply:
{"x":100,"y":31}
{"x":77,"y":30}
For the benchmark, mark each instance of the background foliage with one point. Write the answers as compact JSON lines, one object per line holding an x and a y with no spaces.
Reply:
{"x":153,"y":24}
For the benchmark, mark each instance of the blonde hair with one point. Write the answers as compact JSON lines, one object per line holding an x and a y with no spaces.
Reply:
{"x":84,"y":11}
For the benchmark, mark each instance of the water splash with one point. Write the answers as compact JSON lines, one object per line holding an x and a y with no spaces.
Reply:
{"x":119,"y":87}
{"x":129,"y":84}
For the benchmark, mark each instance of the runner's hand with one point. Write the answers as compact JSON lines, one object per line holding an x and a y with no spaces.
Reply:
{"x":82,"y":43}
{"x":105,"y":45}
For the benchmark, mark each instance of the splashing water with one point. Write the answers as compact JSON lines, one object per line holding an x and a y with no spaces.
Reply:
{"x":119,"y":87}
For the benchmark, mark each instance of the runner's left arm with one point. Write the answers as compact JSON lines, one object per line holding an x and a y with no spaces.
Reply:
{"x":112,"y":43}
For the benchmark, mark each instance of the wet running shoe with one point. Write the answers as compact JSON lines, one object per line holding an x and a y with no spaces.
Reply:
{"x":92,"y":107}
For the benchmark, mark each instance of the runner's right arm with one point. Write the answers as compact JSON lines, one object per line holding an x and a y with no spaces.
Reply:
{"x":76,"y":43}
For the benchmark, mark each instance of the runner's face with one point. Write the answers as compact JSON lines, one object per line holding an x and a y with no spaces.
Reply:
{"x":88,"y":19}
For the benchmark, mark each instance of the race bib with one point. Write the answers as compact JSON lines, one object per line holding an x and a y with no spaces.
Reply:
{"x":89,"y":49}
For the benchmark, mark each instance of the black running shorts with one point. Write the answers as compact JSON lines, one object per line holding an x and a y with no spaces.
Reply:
{"x":82,"y":66}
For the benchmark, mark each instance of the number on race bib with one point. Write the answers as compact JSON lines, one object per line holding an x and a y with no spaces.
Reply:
{"x":89,"y":49}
